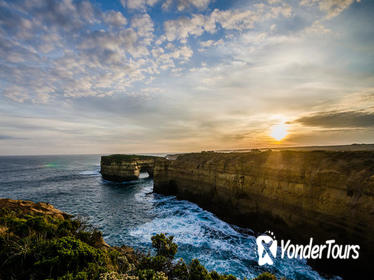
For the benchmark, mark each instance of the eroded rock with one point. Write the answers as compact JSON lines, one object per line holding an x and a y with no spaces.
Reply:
{"x":297,"y":194}
{"x":121,"y":168}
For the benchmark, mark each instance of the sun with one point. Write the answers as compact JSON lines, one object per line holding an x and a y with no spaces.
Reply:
{"x":278,"y":131}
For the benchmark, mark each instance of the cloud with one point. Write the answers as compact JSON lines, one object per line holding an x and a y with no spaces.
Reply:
{"x":318,"y":28}
{"x":180,"y":5}
{"x":185,"y":4}
{"x":79,"y":50}
{"x":8,"y":137}
{"x":143,"y":24}
{"x":138,"y":4}
{"x":348,"y":119}
{"x":334,"y":7}
{"x":54,"y":49}
{"x":182,"y":28}
{"x":331,"y":7}
{"x":236,"y":19}
{"x":114,"y":18}
{"x":210,"y":43}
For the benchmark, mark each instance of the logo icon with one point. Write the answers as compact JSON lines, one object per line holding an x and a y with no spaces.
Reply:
{"x":266,"y":248}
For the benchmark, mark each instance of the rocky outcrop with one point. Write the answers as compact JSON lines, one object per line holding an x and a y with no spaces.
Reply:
{"x":29,"y":207}
{"x":297,"y":195}
{"x":121,"y":168}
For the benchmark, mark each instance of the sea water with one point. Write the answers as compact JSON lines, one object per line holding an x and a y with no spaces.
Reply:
{"x":130,"y":213}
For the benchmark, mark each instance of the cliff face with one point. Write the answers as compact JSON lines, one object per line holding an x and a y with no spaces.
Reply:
{"x":298,"y":195}
{"x":126,"y":167}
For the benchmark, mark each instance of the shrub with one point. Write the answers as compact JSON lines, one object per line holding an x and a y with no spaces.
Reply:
{"x":68,"y":254}
{"x":156,"y":263}
{"x":198,"y":271}
{"x":180,"y":270}
{"x":117,"y":276}
{"x":266,"y":276}
{"x":216,"y":276}
{"x":150,"y":274}
{"x":164,"y":245}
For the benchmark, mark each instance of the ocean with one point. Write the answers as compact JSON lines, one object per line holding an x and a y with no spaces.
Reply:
{"x":130,"y":213}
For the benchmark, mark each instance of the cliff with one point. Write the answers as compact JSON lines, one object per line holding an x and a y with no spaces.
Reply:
{"x":296,"y":194}
{"x":126,"y":167}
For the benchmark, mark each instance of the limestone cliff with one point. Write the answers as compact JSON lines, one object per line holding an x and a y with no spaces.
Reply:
{"x":126,"y":167}
{"x":298,"y":195}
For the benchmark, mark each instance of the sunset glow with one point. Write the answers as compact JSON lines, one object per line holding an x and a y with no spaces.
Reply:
{"x":138,"y":76}
{"x":278,"y":131}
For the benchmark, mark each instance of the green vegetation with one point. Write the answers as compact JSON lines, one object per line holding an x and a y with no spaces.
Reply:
{"x":34,"y":245}
{"x":119,"y":158}
{"x":266,"y":276}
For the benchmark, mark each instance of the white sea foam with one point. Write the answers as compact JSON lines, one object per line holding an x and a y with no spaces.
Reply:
{"x":217,"y":244}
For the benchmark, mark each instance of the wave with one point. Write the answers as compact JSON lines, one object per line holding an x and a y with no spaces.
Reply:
{"x":90,"y":172}
{"x":217,"y":244}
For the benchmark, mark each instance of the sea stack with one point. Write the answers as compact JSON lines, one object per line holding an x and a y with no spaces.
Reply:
{"x":120,"y":168}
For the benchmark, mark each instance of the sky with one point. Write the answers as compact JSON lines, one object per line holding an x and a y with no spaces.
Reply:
{"x":152,"y":76}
